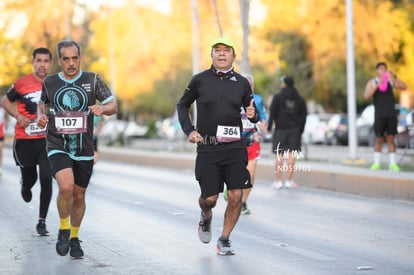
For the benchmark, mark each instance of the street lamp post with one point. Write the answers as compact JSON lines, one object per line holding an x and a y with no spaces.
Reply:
{"x":194,"y":36}
{"x":350,"y":76}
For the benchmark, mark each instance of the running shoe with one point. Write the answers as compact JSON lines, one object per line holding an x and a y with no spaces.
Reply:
{"x":75,"y":248}
{"x":225,"y":195}
{"x":204,"y":229}
{"x":290,"y":184}
{"x":224,"y":247}
{"x":394,"y":167}
{"x":245,"y":210}
{"x":62,"y":245}
{"x":41,"y":228}
{"x":26,"y":194}
{"x":375,"y":166}
{"x":277,"y":185}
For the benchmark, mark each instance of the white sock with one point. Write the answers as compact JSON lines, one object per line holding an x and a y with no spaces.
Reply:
{"x":377,"y":157}
{"x":392,"y":158}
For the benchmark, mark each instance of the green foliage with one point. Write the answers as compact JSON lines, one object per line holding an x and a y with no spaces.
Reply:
{"x":295,"y":62}
{"x":17,"y":55}
{"x":152,"y":129}
{"x":162,"y":101}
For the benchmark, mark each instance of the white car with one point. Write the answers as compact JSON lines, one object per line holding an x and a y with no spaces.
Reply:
{"x":112,"y":131}
{"x":315,"y":128}
{"x":404,"y":136}
{"x":134,"y":130}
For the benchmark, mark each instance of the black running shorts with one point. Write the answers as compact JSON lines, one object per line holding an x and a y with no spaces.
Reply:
{"x":385,"y":126}
{"x":82,"y":169}
{"x":29,"y":152}
{"x":286,"y":139}
{"x":213,"y":169}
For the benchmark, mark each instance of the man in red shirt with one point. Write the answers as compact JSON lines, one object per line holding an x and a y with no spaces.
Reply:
{"x":29,"y":147}
{"x":3,"y":125}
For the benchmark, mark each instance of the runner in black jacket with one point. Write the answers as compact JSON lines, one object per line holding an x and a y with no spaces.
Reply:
{"x":222,"y":155}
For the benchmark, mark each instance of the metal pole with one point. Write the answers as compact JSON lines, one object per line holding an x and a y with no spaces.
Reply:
{"x":194,"y":28}
{"x":112,"y":68}
{"x":194,"y":37}
{"x":67,"y":6}
{"x":350,"y":68}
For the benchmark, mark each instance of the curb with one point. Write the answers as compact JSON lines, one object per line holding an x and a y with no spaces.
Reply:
{"x":333,"y":177}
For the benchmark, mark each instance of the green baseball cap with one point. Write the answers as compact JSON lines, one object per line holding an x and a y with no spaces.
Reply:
{"x":222,"y":40}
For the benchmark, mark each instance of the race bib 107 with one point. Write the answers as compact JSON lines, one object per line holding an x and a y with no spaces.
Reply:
{"x":71,"y":122}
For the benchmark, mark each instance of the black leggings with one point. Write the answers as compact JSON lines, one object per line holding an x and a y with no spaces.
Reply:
{"x":29,"y":178}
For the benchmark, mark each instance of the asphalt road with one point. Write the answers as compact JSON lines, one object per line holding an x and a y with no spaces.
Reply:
{"x":142,"y":220}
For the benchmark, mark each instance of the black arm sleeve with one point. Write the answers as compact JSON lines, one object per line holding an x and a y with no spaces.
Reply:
{"x":272,"y":114}
{"x":43,"y":97}
{"x":304,"y":113}
{"x":183,"y":107}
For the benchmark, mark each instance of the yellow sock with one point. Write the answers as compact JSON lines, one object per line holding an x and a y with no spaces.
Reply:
{"x":74,"y":232}
{"x":65,"y":223}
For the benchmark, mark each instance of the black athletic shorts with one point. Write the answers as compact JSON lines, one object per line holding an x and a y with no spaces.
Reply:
{"x":82,"y":169}
{"x":385,"y":126}
{"x":29,"y":152}
{"x":286,"y":139}
{"x":213,"y":169}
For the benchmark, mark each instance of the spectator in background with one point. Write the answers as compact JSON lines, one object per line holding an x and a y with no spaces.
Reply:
{"x":381,"y":89}
{"x":288,"y":112}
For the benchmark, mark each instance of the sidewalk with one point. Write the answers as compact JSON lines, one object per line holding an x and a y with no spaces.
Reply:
{"x":323,"y":167}
{"x":330,"y":174}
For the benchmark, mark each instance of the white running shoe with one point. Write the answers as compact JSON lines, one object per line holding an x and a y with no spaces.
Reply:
{"x":277,"y":185}
{"x":290,"y":184}
{"x":204,"y":229}
{"x":224,"y":247}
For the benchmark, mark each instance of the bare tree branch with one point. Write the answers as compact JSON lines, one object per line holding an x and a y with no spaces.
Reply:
{"x":217,"y":18}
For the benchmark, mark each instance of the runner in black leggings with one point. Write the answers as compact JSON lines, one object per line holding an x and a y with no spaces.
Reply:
{"x":29,"y":148}
{"x":28,"y":155}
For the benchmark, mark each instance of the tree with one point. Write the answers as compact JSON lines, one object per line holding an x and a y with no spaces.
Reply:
{"x":382,"y":32}
{"x":24,"y":30}
{"x":216,"y":14}
{"x":244,"y":18}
